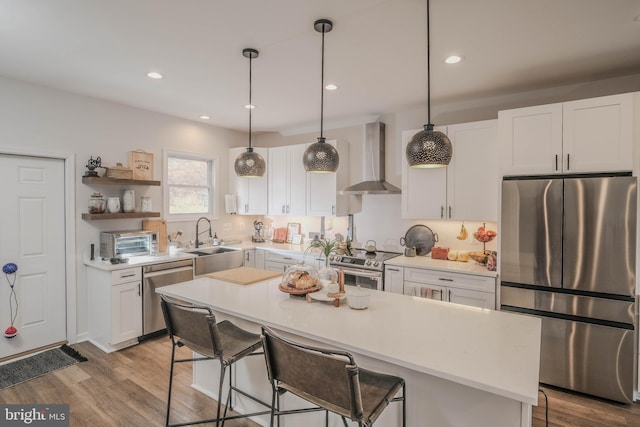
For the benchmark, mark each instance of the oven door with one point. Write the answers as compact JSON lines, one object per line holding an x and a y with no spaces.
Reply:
{"x":363,"y":278}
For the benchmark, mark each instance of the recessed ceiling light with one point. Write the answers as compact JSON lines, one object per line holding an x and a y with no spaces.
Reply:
{"x":331,"y":86}
{"x":453,"y":59}
{"x":249,"y":106}
{"x":154,"y":75}
{"x":203,"y":117}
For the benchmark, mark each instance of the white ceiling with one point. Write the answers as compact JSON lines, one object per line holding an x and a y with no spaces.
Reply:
{"x":376,"y":52}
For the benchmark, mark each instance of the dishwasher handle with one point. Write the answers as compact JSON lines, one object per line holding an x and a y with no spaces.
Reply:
{"x":163,"y":272}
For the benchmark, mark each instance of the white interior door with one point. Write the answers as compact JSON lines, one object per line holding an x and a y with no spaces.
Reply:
{"x":32,"y":235}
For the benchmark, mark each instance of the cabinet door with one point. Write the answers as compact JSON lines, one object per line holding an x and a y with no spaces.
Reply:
{"x":297,"y":203}
{"x":472,"y":298}
{"x":530,"y":140}
{"x":278,"y":172}
{"x":126,"y":311}
{"x":472,"y":175}
{"x":275,"y":266}
{"x":259,"y":259}
{"x":393,"y":279}
{"x":598,"y":134}
{"x":249,"y":257}
{"x":424,"y":191}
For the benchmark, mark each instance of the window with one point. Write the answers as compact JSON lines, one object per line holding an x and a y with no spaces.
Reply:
{"x":189,"y":189}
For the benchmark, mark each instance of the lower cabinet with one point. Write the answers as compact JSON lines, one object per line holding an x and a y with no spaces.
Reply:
{"x":394,"y":279}
{"x":115,"y":307}
{"x":280,"y":261}
{"x":249,"y":258}
{"x":466,"y":289}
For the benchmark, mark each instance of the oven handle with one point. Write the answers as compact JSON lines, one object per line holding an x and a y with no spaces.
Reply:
{"x":363,"y":273}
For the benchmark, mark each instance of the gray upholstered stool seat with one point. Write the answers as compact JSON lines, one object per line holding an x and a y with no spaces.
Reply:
{"x":195,"y":327}
{"x":329,"y":379}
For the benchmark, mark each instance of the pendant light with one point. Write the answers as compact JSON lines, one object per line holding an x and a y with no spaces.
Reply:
{"x":321,"y":157}
{"x":250,"y":164}
{"x":429,"y":148}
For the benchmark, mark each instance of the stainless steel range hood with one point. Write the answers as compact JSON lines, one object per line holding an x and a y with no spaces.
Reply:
{"x":374,"y":155}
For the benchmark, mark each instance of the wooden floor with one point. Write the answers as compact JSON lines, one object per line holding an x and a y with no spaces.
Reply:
{"x":129,"y":388}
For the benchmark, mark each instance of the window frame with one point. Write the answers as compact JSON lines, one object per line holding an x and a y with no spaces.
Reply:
{"x":213,"y":185}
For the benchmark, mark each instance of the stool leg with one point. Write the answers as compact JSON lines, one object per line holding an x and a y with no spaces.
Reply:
{"x":222,"y":373}
{"x":173,"y":355}
{"x":404,"y":405}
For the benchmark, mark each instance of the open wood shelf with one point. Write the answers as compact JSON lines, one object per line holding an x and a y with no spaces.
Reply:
{"x":120,"y":215}
{"x":116,"y":181}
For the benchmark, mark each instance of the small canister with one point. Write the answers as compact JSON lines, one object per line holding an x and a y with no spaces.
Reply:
{"x":410,"y":252}
{"x":113,"y":204}
{"x":97,"y":205}
{"x":128,"y":201}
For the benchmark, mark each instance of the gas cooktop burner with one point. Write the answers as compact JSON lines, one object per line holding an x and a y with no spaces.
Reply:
{"x":360,"y":258}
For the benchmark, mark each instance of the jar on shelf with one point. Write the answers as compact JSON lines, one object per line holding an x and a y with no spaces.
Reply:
{"x":97,"y":204}
{"x":128,"y":201}
{"x":113,"y":204}
{"x":145,"y":204}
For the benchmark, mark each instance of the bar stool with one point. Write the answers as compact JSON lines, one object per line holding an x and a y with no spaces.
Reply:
{"x":330,"y":379}
{"x":195,"y":327}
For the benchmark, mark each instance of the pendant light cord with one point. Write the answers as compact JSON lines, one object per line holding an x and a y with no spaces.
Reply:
{"x":322,"y":85}
{"x":428,"y":69}
{"x":250,"y":104}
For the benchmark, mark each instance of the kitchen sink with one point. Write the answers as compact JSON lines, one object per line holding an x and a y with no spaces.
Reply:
{"x":215,"y":258}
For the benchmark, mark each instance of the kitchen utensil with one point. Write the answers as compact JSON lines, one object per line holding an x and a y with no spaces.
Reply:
{"x":420,"y":237}
{"x":410,"y":252}
{"x":370,"y":246}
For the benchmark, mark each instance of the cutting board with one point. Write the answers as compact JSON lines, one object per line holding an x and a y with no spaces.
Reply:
{"x":160,"y":227}
{"x":244,"y":275}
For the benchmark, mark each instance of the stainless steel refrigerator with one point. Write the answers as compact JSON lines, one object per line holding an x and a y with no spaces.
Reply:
{"x":568,"y":256}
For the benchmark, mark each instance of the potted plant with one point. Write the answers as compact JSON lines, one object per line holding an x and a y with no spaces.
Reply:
{"x":327,"y":247}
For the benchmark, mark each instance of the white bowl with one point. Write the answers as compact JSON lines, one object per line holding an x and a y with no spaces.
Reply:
{"x":358,"y":298}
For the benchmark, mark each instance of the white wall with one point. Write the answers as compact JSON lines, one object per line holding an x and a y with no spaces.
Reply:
{"x":41,"y":119}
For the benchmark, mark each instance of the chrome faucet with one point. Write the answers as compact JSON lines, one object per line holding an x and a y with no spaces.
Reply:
{"x":198,"y":232}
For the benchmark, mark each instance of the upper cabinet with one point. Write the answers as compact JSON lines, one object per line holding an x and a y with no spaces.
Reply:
{"x":589,"y":135}
{"x":467,"y":189}
{"x":251,"y":193}
{"x":287,"y":180}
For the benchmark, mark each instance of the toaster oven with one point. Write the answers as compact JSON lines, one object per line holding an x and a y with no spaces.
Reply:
{"x":123,"y":244}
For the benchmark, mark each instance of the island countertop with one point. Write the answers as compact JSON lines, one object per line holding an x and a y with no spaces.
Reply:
{"x":489,"y":350}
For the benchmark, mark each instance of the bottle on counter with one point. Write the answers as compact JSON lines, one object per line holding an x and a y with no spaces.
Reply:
{"x":341,"y":280}
{"x":216,"y":241}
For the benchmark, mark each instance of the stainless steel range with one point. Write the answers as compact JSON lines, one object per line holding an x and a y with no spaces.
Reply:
{"x":363,"y":268}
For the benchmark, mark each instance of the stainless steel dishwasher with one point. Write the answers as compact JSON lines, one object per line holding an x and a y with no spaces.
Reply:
{"x":155,"y":276}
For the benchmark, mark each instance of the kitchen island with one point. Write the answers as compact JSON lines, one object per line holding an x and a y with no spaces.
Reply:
{"x":463,"y":366}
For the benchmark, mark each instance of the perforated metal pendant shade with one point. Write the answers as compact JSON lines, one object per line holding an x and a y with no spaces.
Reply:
{"x":321,"y":157}
{"x":250,"y":164}
{"x":429,"y":149}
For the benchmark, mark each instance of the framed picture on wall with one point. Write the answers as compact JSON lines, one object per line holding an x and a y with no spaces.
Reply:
{"x":293,"y":228}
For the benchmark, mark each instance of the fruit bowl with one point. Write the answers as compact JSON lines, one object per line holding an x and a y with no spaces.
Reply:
{"x":484,"y":238}
{"x":480,"y":257}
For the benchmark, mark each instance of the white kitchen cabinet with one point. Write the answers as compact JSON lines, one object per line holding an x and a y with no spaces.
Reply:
{"x":589,"y":135}
{"x":251,"y":193}
{"x":394,"y":279}
{"x":322,"y":188}
{"x":259,"y":259}
{"x":280,"y":261}
{"x":466,"y":289}
{"x":286,"y":181}
{"x":115,"y":307}
{"x":249,"y":258}
{"x":467,"y":189}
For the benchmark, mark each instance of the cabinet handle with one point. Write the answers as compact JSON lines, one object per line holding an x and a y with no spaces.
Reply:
{"x":286,"y":257}
{"x":288,"y":210}
{"x":441,"y":211}
{"x":445,"y":279}
{"x":392,"y":269}
{"x":556,"y":162}
{"x":246,"y":207}
{"x":449,"y":295}
{"x":127,"y":275}
{"x":449,"y":212}
{"x":282,"y":208}
{"x":568,"y":167}
{"x":333,"y":209}
{"x":247,"y":256}
{"x":138,"y":289}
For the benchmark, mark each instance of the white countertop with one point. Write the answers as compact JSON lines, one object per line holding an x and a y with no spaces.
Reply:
{"x":493,"y":351}
{"x":137,"y":261}
{"x":469,"y":267}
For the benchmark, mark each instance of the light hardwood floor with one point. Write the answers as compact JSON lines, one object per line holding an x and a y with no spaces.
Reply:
{"x":129,"y":388}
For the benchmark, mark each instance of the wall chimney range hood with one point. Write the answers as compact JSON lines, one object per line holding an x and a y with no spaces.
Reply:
{"x":374,"y":155}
